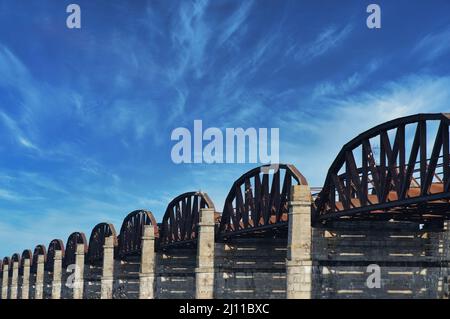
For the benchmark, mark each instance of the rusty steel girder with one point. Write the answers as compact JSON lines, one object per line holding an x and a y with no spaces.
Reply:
{"x":38,"y":251}
{"x":55,"y":244}
{"x":14,"y":258}
{"x":97,"y":240}
{"x":5,"y":262}
{"x":131,"y":232}
{"x":401,"y":182}
{"x":71,"y":247}
{"x":26,"y":254}
{"x":179,"y":224}
{"x":258,"y":200}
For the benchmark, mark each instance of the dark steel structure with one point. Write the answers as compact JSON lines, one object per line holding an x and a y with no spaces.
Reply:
{"x":71,"y":247}
{"x":5,"y":262}
{"x":14,"y":258}
{"x":131,"y":233}
{"x":26,"y":254}
{"x":55,"y":244}
{"x":406,"y":180}
{"x":179,"y":224}
{"x":97,"y":240}
{"x":258,"y":201}
{"x":38,"y":251}
{"x":399,"y":170}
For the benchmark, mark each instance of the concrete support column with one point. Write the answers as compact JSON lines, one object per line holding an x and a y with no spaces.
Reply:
{"x":204,"y":273}
{"x":299,"y":262}
{"x":147,"y":271}
{"x":39,"y":290}
{"x":57,"y":273}
{"x":79,"y":273}
{"x":14,"y":280}
{"x":108,"y":268}
{"x":5,"y":281}
{"x":446,"y":271}
{"x":25,"y":291}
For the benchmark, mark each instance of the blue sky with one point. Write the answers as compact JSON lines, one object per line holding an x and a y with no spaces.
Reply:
{"x":86,"y":115}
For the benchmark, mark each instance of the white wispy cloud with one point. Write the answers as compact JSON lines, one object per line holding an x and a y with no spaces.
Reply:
{"x":14,"y":72}
{"x":327,"y":89}
{"x":17,"y":132}
{"x":190,"y":37}
{"x":312,"y":142}
{"x":328,"y":39}
{"x":434,"y":45}
{"x":8,"y":195}
{"x":235,"y":22}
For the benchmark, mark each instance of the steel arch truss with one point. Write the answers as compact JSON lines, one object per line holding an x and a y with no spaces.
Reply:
{"x":401,"y":179}
{"x":258,"y":200}
{"x":130,"y":238}
{"x":6,"y":262}
{"x":179,"y":224}
{"x":26,"y":254}
{"x":71,"y":247}
{"x":97,"y":240}
{"x":55,"y":244}
{"x":14,"y":259}
{"x":39,"y":250}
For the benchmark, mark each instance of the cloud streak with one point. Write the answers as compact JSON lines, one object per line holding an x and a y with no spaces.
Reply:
{"x":313,"y":142}
{"x":433,"y":45}
{"x":328,"y":39}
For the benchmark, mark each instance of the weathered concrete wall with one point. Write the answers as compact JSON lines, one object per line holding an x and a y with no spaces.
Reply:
{"x":47,"y":288}
{"x":126,"y":274}
{"x":175,"y":273}
{"x":66,"y":292}
{"x":413,"y":264}
{"x":92,"y":281}
{"x":32,"y":285}
{"x":251,"y":268}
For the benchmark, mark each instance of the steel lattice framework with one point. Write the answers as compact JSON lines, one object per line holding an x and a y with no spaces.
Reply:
{"x":399,"y":170}
{"x":131,"y":232}
{"x":71,"y":247}
{"x":97,"y":240}
{"x":258,"y":200}
{"x":55,"y":244}
{"x":26,"y":254}
{"x":14,"y":258}
{"x":179,"y":224}
{"x":406,"y":180}
{"x":38,"y":251}
{"x":5,"y":262}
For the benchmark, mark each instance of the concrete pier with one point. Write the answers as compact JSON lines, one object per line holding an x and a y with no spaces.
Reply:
{"x":39,"y":285}
{"x":147,"y":270}
{"x":57,"y":273}
{"x":5,"y":282}
{"x":25,"y":291}
{"x":299,"y":262}
{"x":108,"y":269}
{"x":14,"y":280}
{"x":204,"y":273}
{"x":78,"y":288}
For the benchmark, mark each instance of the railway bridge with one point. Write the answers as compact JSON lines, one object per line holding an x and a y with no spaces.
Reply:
{"x":384,"y":205}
